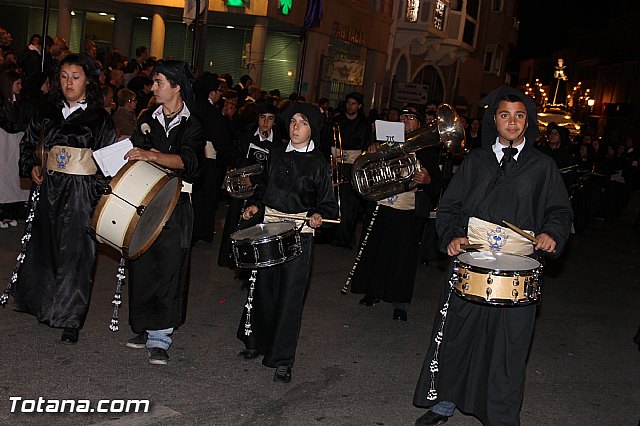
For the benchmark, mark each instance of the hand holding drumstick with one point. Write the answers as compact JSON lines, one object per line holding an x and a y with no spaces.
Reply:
{"x":542,"y":242}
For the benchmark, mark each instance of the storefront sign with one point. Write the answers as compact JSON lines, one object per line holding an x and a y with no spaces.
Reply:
{"x":347,"y":71}
{"x":411,"y":93}
{"x":348,"y":34}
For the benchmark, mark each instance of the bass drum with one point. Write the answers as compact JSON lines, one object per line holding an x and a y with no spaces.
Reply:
{"x":266,"y":244}
{"x":141,"y":199}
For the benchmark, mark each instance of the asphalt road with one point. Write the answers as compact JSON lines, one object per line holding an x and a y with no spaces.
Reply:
{"x":354,"y":365}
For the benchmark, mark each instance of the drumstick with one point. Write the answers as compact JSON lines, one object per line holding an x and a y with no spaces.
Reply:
{"x":521,"y":232}
{"x":299,"y":217}
{"x":471,"y":246}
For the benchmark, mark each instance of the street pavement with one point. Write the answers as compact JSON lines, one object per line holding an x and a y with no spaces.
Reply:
{"x":354,"y":365}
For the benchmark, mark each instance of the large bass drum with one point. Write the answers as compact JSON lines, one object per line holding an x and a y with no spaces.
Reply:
{"x":141,"y":199}
{"x":266,"y":244}
{"x":499,"y":279}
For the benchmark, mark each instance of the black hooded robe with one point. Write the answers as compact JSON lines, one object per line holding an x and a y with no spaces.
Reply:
{"x":298,"y":182}
{"x":55,"y":281}
{"x":482,"y":357}
{"x":159,"y":278}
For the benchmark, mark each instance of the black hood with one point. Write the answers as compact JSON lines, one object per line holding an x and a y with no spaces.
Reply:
{"x":491,"y":101}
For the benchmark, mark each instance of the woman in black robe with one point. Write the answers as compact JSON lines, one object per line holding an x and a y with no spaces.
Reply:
{"x":55,"y":281}
{"x":477,"y":361}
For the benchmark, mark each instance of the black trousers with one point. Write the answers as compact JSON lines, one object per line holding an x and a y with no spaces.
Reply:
{"x":276,"y":313}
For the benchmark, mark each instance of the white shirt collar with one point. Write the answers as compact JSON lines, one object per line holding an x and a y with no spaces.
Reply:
{"x":307,"y":148}
{"x":269,"y":138}
{"x":158,"y":115}
{"x":67,"y":110}
{"x":497,"y":149}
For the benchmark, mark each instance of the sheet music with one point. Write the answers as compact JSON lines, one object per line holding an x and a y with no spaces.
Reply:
{"x":389,"y":131}
{"x":110,"y":159}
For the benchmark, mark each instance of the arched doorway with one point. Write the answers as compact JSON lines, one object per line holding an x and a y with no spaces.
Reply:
{"x":429,"y":75}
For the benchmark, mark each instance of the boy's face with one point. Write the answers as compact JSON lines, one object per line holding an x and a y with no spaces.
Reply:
{"x":265,"y":122}
{"x":300,"y":131}
{"x":511,"y":122}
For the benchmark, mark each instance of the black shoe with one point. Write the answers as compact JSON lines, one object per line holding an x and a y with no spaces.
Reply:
{"x":282,"y":374}
{"x":70,"y":336}
{"x":431,"y":418}
{"x":248,"y":354}
{"x":158,"y":356}
{"x":138,"y":342}
{"x":369,"y":301}
{"x":399,"y":315}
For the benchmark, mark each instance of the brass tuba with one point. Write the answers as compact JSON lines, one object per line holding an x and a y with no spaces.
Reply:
{"x":390,"y":169}
{"x":239,"y":183}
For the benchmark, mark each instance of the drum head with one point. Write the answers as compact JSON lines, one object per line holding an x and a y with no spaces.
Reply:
{"x":156,"y":213}
{"x":262,"y":230}
{"x":497,"y":261}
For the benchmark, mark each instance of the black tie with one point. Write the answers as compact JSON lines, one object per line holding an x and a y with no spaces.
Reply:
{"x":509,"y":153}
{"x":507,"y":160}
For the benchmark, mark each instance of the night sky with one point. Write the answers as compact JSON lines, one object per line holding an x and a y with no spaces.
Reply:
{"x":546,"y":25}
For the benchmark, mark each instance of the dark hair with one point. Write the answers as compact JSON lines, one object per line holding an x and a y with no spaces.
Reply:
{"x":90,"y":69}
{"x":35,"y":36}
{"x":507,"y":98}
{"x":7,"y":78}
{"x":140,"y":50}
{"x":244,"y":79}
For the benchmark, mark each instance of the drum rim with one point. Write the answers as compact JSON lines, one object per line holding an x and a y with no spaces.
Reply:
{"x":499,"y":254}
{"x":501,"y":303}
{"x":293,"y":229}
{"x":145,"y":202}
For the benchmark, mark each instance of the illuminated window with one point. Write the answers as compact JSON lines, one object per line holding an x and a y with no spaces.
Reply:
{"x":439,"y":15}
{"x":412,"y":10}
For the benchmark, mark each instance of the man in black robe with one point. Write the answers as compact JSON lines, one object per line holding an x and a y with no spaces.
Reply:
{"x":353,"y":138}
{"x":477,"y":358}
{"x":159,"y":278}
{"x":299,"y":183}
{"x":254,"y":144}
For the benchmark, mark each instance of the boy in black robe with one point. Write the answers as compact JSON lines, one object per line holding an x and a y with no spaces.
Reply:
{"x":299,"y":182}
{"x":159,"y":278}
{"x":478,"y":362}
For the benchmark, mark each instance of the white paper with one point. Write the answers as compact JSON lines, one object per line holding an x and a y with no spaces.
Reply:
{"x":389,"y":131}
{"x":110,"y":159}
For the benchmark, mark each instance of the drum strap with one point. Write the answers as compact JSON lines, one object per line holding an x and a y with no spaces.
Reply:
{"x":72,"y":161}
{"x":363,"y":244}
{"x":249,"y":304}
{"x":35,"y":196}
{"x":498,"y":238}
{"x":117,"y":298}
{"x":434,"y":366}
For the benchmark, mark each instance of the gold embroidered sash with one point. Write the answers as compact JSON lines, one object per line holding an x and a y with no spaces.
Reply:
{"x":498,"y":238}
{"x":70,"y":160}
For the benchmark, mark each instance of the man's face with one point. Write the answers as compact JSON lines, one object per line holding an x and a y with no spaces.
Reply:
{"x":511,"y":122}
{"x":265,"y":123}
{"x":215,"y":95}
{"x":162,"y":89}
{"x":394,"y":115}
{"x":5,"y":37}
{"x":410,"y":121}
{"x":352,"y":106}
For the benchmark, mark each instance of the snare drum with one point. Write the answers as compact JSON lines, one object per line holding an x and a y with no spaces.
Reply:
{"x":141,"y":199}
{"x":266,"y":244}
{"x":499,"y":279}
